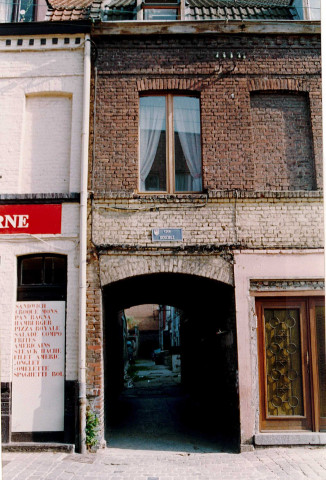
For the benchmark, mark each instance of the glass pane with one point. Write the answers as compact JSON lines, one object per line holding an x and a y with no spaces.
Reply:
{"x":32,"y":271}
{"x":321,"y":353}
{"x":160,"y":14}
{"x":152,"y":144}
{"x":55,"y":271}
{"x":6,"y":11}
{"x":315,"y":9}
{"x":299,"y":8}
{"x":187,"y":144}
{"x":283,"y":362}
{"x":26,"y":12}
{"x":161,"y":2}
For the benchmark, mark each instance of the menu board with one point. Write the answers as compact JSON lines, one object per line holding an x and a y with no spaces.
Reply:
{"x":38,"y":367}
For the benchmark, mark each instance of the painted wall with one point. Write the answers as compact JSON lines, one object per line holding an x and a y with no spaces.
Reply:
{"x":250,"y":265}
{"x":13,"y":246}
{"x":40,"y":125}
{"x":41,"y":86}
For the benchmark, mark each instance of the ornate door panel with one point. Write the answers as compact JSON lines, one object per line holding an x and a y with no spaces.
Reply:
{"x":284,"y":361}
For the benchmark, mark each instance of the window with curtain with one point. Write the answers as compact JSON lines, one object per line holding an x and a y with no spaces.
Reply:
{"x":6,"y":11}
{"x":17,"y":11}
{"x":170,"y":144}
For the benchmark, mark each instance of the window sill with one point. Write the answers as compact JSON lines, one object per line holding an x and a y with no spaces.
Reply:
{"x":168,"y":197}
{"x":209,"y":195}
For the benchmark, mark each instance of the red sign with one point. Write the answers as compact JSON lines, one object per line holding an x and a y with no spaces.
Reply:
{"x":30,"y":219}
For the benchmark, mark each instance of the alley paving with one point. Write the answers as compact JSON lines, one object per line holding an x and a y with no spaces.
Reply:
{"x":128,"y":464}
{"x":153,"y":435}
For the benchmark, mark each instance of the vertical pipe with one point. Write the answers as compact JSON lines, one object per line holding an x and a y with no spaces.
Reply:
{"x":0,"y":427}
{"x":83,"y":245}
{"x":323,"y":86}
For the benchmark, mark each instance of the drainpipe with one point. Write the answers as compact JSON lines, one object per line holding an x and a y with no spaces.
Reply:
{"x":0,"y":427}
{"x":83,"y":245}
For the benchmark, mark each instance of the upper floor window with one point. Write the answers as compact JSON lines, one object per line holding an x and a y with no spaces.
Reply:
{"x":307,"y":9}
{"x":170,"y":144}
{"x":17,"y":11}
{"x":161,"y":10}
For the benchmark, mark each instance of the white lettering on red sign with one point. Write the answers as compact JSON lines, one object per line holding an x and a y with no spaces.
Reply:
{"x":15,"y":221}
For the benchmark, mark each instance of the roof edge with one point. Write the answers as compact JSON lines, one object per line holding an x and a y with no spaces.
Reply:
{"x":45,"y":28}
{"x":187,"y":27}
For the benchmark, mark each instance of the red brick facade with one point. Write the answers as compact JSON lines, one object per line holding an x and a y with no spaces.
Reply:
{"x":260,"y":130}
{"x":228,"y":90}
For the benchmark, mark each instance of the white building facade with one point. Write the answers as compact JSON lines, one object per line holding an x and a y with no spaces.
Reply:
{"x":42,"y":98}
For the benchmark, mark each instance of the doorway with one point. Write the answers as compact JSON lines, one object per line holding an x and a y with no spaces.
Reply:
{"x":292,"y":363}
{"x":182,"y":393}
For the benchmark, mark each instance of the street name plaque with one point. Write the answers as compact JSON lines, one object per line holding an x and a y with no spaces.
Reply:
{"x":167,"y":234}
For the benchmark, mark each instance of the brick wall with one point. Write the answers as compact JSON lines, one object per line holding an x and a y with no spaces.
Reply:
{"x":284,"y":158}
{"x":285,"y":221}
{"x":230,"y":141}
{"x":230,"y":212}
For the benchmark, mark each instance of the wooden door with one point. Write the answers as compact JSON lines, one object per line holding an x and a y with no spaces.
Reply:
{"x":284,"y":364}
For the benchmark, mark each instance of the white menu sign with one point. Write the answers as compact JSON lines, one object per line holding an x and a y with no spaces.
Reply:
{"x":38,"y":367}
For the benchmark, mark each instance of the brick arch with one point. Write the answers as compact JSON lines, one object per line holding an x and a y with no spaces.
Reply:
{"x":150,"y":84}
{"x":120,"y":267}
{"x":289,"y":84}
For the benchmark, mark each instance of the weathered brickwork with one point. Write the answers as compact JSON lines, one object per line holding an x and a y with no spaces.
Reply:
{"x":255,"y":196}
{"x":117,"y":267}
{"x":127,"y":67}
{"x":288,"y":163}
{"x":286,"y":285}
{"x":254,"y":223}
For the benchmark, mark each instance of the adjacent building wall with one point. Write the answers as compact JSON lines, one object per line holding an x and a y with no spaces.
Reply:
{"x":41,"y":85}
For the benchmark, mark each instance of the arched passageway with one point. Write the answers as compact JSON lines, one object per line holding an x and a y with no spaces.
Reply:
{"x":208,"y":353}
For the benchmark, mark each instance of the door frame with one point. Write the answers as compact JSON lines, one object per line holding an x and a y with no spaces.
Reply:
{"x":309,"y":365}
{"x":319,"y":423}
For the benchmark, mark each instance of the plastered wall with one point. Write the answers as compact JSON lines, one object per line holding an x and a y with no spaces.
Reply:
{"x":12,"y":247}
{"x":40,"y":78}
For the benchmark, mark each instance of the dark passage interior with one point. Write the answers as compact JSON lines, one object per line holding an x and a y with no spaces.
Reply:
{"x":194,"y":408}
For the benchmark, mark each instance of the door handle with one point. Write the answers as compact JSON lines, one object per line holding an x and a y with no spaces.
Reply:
{"x":307,"y":358}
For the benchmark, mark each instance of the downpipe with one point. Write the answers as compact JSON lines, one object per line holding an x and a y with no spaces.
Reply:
{"x":83,"y":246}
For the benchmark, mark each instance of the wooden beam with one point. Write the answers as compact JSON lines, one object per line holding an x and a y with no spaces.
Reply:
{"x":280,"y":27}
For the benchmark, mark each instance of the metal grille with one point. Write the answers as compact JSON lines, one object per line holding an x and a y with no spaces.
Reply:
{"x":283,"y":362}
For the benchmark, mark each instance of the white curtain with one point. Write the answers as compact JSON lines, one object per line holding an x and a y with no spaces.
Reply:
{"x":152,"y":122}
{"x":184,"y":182}
{"x":187,"y":124}
{"x":6,"y":7}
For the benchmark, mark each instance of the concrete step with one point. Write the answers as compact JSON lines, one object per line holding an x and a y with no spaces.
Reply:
{"x":290,"y":438}
{"x":38,"y":447}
